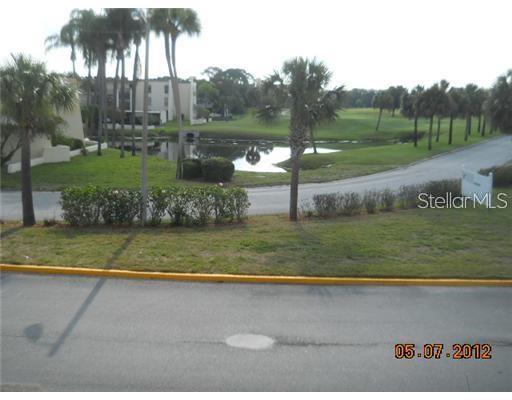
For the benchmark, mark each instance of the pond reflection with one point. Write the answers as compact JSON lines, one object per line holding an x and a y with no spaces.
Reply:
{"x":247,"y":156}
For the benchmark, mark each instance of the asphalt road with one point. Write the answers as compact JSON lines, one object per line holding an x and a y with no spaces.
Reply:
{"x":71,"y":333}
{"x":275,"y":199}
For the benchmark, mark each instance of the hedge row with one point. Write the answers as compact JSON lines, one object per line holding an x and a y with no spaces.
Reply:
{"x":351,"y":203}
{"x":185,"y":206}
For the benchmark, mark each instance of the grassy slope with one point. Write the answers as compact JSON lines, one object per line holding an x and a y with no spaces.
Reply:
{"x":352,"y":124}
{"x":111,"y":170}
{"x":413,"y":243}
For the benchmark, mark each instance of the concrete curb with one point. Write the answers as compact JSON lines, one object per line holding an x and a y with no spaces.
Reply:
{"x":302,"y":280}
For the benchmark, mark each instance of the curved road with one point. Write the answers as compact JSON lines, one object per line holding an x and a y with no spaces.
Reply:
{"x":275,"y":199}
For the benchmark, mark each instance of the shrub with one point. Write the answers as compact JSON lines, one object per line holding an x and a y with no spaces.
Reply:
{"x":81,"y":206}
{"x":120,"y":206}
{"x":185,"y":205}
{"x":371,"y":201}
{"x":387,"y":200}
{"x":217,"y":169}
{"x":350,"y":203}
{"x":306,"y":209}
{"x":408,"y":196}
{"x":238,"y":203}
{"x":326,"y":205}
{"x":442,"y":187}
{"x":73,"y":143}
{"x":192,"y":168}
{"x":502,"y":175}
{"x":178,"y":202}
{"x":157,"y":205}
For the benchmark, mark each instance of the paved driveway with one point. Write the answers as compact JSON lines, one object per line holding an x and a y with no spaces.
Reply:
{"x":275,"y":199}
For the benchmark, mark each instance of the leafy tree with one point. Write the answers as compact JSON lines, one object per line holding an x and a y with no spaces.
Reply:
{"x":500,"y":103}
{"x":383,"y":101}
{"x":172,"y":23}
{"x":30,"y":98}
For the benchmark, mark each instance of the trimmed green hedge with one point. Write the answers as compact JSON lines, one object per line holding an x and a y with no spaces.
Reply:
{"x":192,"y":168}
{"x":185,"y":206}
{"x":217,"y":169}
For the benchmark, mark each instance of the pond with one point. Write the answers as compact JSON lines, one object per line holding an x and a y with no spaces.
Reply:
{"x":251,"y":156}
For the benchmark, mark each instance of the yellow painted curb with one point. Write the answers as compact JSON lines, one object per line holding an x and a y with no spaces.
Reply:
{"x":304,"y":280}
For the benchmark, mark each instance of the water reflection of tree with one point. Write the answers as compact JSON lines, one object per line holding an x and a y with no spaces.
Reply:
{"x":231,"y":152}
{"x":252,"y":156}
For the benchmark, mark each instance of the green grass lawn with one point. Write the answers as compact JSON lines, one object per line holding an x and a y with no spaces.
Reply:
{"x":471,"y":243}
{"x":354,"y":124}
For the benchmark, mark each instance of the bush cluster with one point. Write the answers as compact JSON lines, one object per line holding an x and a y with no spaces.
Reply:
{"x":73,"y":143}
{"x":216,"y":169}
{"x":502,"y":175}
{"x":334,"y":204}
{"x":185,"y":206}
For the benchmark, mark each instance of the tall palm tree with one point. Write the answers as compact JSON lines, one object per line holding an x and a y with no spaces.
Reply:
{"x":84,"y":20}
{"x":442,"y":105}
{"x":458,"y":105}
{"x":428,"y":108}
{"x":30,"y":98}
{"x":67,"y":37}
{"x":306,"y":80}
{"x":121,"y":21}
{"x":172,"y":23}
{"x":472,"y":107}
{"x":137,"y":34}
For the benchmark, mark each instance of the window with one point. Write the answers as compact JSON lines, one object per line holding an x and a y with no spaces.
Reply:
{"x":149,"y":88}
{"x":166,"y":89}
{"x":166,"y":101}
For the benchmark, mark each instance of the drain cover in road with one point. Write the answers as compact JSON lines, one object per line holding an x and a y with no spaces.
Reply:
{"x":250,"y":341}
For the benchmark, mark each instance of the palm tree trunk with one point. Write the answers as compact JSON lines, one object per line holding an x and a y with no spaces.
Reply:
{"x":470,"y":125}
{"x":313,"y":141}
{"x":479,"y":122}
{"x":430,"y":132}
{"x":378,"y":120}
{"x":123,"y":73}
{"x":450,"y":131}
{"x":484,"y":123}
{"x":144,"y":153}
{"x":438,"y":129}
{"x":415,"y":130}
{"x":134,"y":95}
{"x":466,"y":133}
{"x":294,"y":188}
{"x":176,"y":98}
{"x":89,"y":83}
{"x":29,"y":218}
{"x":99,"y":103}
{"x":115,"y":105}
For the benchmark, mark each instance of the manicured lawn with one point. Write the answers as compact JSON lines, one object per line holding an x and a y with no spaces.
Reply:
{"x":110,"y":170}
{"x":471,"y":243}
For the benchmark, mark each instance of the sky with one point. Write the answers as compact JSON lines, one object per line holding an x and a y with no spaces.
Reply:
{"x":365,"y":43}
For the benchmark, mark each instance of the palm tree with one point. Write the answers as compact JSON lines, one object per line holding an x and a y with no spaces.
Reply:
{"x":458,"y":105}
{"x":500,"y":104}
{"x":137,"y":33}
{"x":382,"y":100}
{"x":472,"y":106}
{"x":84,"y":20}
{"x":428,"y":108}
{"x":324,"y":110}
{"x":410,"y":108}
{"x":67,"y":37}
{"x":31,"y":97}
{"x":121,"y":22}
{"x":306,"y":80}
{"x":442,"y":105}
{"x":172,"y":23}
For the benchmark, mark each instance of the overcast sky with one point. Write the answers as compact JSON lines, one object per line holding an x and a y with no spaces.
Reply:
{"x":365,"y":43}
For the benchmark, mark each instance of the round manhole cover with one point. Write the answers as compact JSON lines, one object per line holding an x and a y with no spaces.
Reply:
{"x":250,"y":341}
